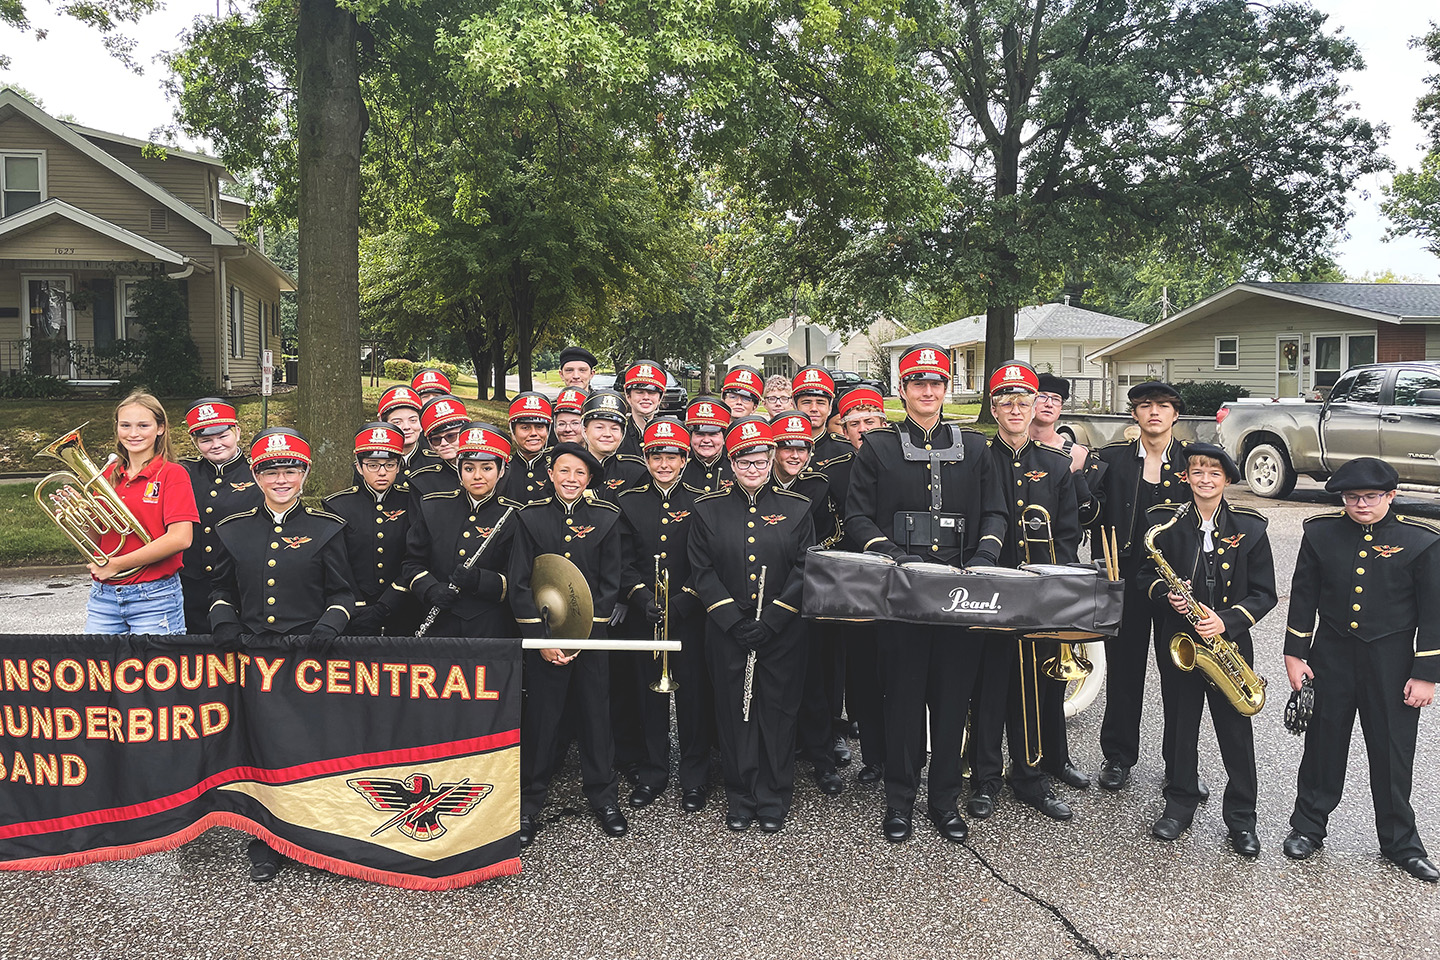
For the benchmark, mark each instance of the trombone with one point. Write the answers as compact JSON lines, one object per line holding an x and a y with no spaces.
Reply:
{"x":666,"y":683}
{"x":1037,"y":530}
{"x":84,"y":505}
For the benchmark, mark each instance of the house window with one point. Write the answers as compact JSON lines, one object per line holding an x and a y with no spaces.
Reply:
{"x":1334,"y":353}
{"x":1072,"y":359}
{"x":862,"y":367}
{"x":125,"y":325}
{"x":22,"y":181}
{"x":237,"y":322}
{"x":1227,"y":353}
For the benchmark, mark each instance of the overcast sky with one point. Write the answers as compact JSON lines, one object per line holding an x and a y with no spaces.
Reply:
{"x":73,"y":75}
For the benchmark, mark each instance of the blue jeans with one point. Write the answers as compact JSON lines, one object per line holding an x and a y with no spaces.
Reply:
{"x":155,"y":607}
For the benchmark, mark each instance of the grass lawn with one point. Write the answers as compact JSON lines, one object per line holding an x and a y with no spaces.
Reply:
{"x":27,"y":536}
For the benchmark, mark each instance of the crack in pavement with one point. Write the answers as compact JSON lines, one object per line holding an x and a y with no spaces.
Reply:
{"x":1080,"y":939}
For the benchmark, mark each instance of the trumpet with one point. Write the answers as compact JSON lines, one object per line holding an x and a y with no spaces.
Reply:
{"x":84,"y":505}
{"x":666,"y":683}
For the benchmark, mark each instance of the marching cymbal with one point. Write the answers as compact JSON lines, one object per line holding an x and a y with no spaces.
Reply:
{"x":563,"y":597}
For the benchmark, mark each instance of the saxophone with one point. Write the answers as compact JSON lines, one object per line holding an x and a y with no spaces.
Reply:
{"x":1217,"y":657}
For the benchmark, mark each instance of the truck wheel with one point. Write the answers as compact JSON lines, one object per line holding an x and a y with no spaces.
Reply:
{"x":1268,"y":472}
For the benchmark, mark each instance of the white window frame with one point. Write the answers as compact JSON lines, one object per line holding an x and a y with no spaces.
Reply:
{"x":44,"y":179}
{"x":1345,"y":362}
{"x":122,"y":322}
{"x":1079,"y":369}
{"x":237,"y":322}
{"x":1227,"y":366}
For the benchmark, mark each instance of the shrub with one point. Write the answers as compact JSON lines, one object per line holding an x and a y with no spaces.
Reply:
{"x":398,"y":368}
{"x":169,"y":361}
{"x":28,"y":386}
{"x":1203,"y":397}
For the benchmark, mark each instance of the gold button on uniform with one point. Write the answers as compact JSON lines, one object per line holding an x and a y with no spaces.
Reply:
{"x":271,"y":562}
{"x":270,"y":582}
{"x":214,"y":493}
{"x":1354,"y":625}
{"x":466,"y":534}
{"x":217,"y":481}
{"x":1355,"y":607}
{"x":269,"y":619}
{"x":1364,"y":554}
{"x":270,"y":601}
{"x":1360,"y":570}
{"x":1359,"y":589}
{"x":207,"y":548}
{"x":209,"y":510}
{"x":274,"y":545}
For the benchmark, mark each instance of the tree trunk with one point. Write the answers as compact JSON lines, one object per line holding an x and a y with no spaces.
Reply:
{"x":524,"y":308}
{"x":474,"y":327}
{"x":330,"y":129}
{"x":497,"y":359}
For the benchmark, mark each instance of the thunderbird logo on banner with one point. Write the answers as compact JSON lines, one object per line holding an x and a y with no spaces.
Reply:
{"x":408,"y":773}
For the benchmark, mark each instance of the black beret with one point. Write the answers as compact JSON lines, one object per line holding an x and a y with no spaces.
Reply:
{"x":578,"y":353}
{"x":1363,"y":473}
{"x":1049,"y":383}
{"x":575,"y":450}
{"x":1215,"y":452}
{"x":1156,"y":388}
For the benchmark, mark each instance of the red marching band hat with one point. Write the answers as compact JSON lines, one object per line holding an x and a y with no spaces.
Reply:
{"x":666,"y":435}
{"x":379,"y":440}
{"x":399,"y":396}
{"x":645,"y":373}
{"x":744,"y":379}
{"x":430,"y":381}
{"x":861,"y":397}
{"x":530,"y":407}
{"x":210,"y":416}
{"x":442,"y":412}
{"x":812,"y":380}
{"x":570,"y":400}
{"x":747,"y":433}
{"x":928,"y":361}
{"x":279,"y":446}
{"x":481,"y":441}
{"x":1016,"y":376}
{"x":792,"y":430}
{"x":707,"y":412}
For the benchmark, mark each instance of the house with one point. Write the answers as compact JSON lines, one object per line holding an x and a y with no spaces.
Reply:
{"x":768,"y":348}
{"x":85,"y":214}
{"x":1053,"y":337}
{"x":1281,"y":339}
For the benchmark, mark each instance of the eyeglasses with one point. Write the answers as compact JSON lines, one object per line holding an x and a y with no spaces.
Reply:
{"x":449,"y":436}
{"x":1049,"y":398}
{"x":282,"y":473}
{"x":760,"y":463}
{"x":380,"y":466}
{"x":1015,"y":403}
{"x":1369,"y":499}
{"x":778,"y":398}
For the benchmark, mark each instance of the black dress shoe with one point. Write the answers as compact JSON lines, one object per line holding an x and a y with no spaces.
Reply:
{"x":1113,"y":776}
{"x":739,"y":822}
{"x":1203,"y":789}
{"x":841,"y":751}
{"x":1420,"y":868}
{"x":1301,"y":846}
{"x":870,"y":774}
{"x":693,"y":800}
{"x":853,"y":730}
{"x":950,"y":826}
{"x":1050,"y":805}
{"x":980,"y":806}
{"x":528,"y":829}
{"x":1168,"y":828}
{"x":830,"y":783}
{"x":612,"y":821}
{"x":1245,"y":843}
{"x":643,"y":795}
{"x":264,"y":861}
{"x":1070,"y":775}
{"x":772,"y":824}
{"x":897,"y":826}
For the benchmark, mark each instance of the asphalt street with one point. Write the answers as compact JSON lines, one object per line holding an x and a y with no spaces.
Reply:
{"x":829,"y":886}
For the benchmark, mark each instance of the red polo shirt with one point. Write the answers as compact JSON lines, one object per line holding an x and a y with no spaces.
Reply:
{"x":159,"y":495}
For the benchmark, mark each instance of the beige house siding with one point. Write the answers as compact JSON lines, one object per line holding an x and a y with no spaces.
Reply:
{"x":1046,"y":355}
{"x":258,"y":287}
{"x":232,"y":213}
{"x":188,"y":181}
{"x":1432,"y":341}
{"x":65,"y":238}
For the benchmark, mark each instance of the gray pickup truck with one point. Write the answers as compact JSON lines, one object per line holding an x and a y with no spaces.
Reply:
{"x":1385,"y":410}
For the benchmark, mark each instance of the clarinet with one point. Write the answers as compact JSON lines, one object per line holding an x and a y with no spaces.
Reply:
{"x":469,"y":562}
{"x":750,"y":657}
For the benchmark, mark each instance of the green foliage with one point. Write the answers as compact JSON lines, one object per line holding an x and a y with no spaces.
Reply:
{"x":104,"y":16}
{"x":29,"y":386}
{"x":1202,"y":398}
{"x":398,"y":368}
{"x":170,"y":361}
{"x":1412,"y":201}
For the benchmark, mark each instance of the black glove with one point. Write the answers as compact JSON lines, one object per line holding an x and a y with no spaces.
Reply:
{"x":366,"y":622}
{"x":653,"y":613}
{"x":749,"y":633}
{"x":323,"y":633}
{"x":984,"y":559}
{"x":464,"y":579}
{"x":440,"y":595}
{"x":489,"y":585}
{"x":226,"y":635}
{"x":910,"y":558}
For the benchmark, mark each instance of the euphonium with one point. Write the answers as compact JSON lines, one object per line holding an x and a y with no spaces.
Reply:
{"x":1217,"y":657}
{"x":84,"y":505}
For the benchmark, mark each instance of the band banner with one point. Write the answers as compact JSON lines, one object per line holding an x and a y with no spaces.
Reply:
{"x":387,"y":759}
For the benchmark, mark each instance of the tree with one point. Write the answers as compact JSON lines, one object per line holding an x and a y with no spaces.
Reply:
{"x":105,"y":16}
{"x":1412,"y":200}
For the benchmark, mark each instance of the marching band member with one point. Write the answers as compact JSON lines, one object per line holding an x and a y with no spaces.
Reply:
{"x":429,"y":382}
{"x":1371,"y":576}
{"x":222,"y":483}
{"x":377,"y":514}
{"x":1223,"y":552}
{"x":450,"y":527}
{"x":753,"y":525}
{"x":605,"y":418}
{"x":586,"y":531}
{"x":400,"y":407}
{"x":658,"y":520}
{"x":927,"y":487}
{"x":818,"y":704}
{"x":526,"y":478}
{"x":443,"y":418}
{"x":577,"y":366}
{"x":1036,"y":476}
{"x":644,"y":389}
{"x":567,"y":426}
{"x":708,"y":469}
{"x":158,"y":492}
{"x":280,"y":570}
{"x":740,"y":390}
{"x":862,"y":410}
{"x":777,"y":396}
{"x":813,"y":390}
{"x":1139,"y":474}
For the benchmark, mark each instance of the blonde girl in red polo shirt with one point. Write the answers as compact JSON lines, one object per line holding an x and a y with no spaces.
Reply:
{"x":157,"y":491}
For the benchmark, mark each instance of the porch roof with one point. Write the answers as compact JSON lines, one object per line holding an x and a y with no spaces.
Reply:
{"x":117,"y":237}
